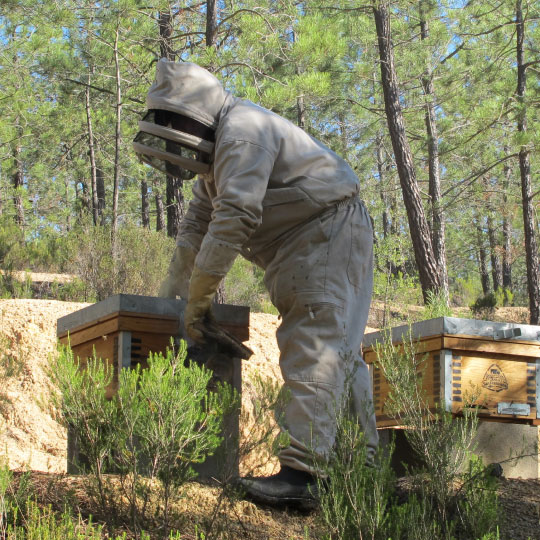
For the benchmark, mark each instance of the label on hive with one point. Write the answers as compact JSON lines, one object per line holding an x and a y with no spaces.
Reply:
{"x":523,"y":409}
{"x":494,"y":379}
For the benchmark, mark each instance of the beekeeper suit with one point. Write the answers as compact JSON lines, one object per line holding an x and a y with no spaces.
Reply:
{"x":270,"y":192}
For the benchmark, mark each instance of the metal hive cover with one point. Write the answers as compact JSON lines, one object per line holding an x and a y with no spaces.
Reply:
{"x":457,"y":326}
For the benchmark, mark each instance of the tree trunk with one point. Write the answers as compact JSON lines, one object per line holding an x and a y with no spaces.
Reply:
{"x":343,"y":134}
{"x":437,"y":215}
{"x":165,"y":35}
{"x":394,"y":218}
{"x":145,"y":205}
{"x":18,"y":182}
{"x":118,"y":140}
{"x":100,"y":190}
{"x":174,"y":200}
{"x":92,"y":155}
{"x":300,"y":104}
{"x":531,"y":246}
{"x":428,"y":269}
{"x":211,"y":23}
{"x":301,"y":112}
{"x":160,"y":213}
{"x":83,"y":202}
{"x":382,"y":184}
{"x":482,"y":259}
{"x":496,"y":268}
{"x":85,"y":205}
{"x":507,"y":246}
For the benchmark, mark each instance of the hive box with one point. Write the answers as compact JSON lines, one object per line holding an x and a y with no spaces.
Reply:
{"x":125,"y":328}
{"x":122,"y":331}
{"x":502,"y":360}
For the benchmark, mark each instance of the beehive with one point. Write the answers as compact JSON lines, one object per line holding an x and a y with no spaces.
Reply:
{"x":460,"y":356}
{"x":122,"y":331}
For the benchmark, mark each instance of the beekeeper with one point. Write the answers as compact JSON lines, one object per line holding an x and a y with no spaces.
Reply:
{"x":270,"y":192}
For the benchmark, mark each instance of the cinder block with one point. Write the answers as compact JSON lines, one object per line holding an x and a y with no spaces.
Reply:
{"x":514,"y":446}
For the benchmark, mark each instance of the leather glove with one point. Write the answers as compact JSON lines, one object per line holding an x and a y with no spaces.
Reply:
{"x":202,"y":288}
{"x":177,"y":281}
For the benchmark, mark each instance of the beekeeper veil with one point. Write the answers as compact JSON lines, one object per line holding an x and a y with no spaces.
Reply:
{"x":177,"y":133}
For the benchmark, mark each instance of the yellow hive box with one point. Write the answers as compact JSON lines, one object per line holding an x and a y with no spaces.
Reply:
{"x":122,"y":331}
{"x":457,"y":355}
{"x":125,"y":328}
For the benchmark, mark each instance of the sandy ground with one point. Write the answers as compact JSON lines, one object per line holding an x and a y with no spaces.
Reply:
{"x":31,"y":438}
{"x":30,"y":435}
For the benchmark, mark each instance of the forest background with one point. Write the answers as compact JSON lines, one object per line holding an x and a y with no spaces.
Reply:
{"x":433,"y":103}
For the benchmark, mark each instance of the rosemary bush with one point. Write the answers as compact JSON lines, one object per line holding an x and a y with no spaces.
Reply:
{"x":159,"y":422}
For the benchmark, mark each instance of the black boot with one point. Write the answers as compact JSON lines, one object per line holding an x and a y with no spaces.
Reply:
{"x":289,"y":487}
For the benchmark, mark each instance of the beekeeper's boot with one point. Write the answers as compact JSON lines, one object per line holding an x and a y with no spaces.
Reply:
{"x":289,"y":487}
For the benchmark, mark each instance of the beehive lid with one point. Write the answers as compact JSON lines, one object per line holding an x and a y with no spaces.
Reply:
{"x":148,"y":305}
{"x":453,"y":326}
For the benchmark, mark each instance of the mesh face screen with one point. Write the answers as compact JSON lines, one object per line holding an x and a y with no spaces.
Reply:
{"x":171,"y":147}
{"x":181,"y":123}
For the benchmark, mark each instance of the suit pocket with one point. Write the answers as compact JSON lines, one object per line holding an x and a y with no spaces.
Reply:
{"x":360,"y":263}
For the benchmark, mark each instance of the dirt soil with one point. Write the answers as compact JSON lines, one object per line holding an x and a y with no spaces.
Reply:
{"x":33,"y":440}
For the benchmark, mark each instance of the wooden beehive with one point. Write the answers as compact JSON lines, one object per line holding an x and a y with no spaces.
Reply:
{"x":123,"y":329}
{"x":458,"y":357}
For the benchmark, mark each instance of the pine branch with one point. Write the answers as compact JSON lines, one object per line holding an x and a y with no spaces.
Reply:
{"x":68,"y":150}
{"x":253,"y":70}
{"x":490,"y":30}
{"x":466,"y":182}
{"x":453,"y":53}
{"x":103,"y":90}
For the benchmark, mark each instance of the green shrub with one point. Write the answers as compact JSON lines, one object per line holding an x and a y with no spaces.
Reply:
{"x":436,"y":306}
{"x":449,"y":495}
{"x":244,"y":286}
{"x":484,"y":306}
{"x":12,"y":252}
{"x":137,"y":265}
{"x":443,"y":446}
{"x":357,"y":500}
{"x":504,"y":297}
{"x":44,"y":523}
{"x":159,"y":423}
{"x":396,"y":289}
{"x":464,"y":291}
{"x":75,"y":290}
{"x":12,"y":498}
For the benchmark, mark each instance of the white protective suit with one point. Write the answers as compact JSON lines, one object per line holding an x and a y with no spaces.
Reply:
{"x":289,"y":204}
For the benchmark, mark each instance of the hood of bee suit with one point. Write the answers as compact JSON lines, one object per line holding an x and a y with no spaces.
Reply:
{"x":177,"y":133}
{"x":189,"y":90}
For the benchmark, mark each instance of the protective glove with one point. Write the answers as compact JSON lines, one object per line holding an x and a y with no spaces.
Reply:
{"x":202,"y":288}
{"x":177,"y":281}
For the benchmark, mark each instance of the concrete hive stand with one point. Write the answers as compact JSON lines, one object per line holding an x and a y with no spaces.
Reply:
{"x":123,"y":329}
{"x":503,"y":359}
